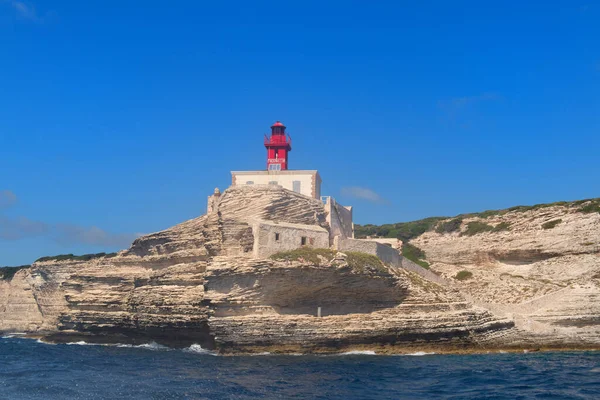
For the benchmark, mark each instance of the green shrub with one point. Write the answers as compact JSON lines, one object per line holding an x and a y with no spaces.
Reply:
{"x":414,"y":254}
{"x":361,"y":262}
{"x":463,"y":275}
{"x":502,"y":226}
{"x":488,"y":213}
{"x":449,"y":226}
{"x":307,"y":254}
{"x":71,"y":257}
{"x":591,"y":207}
{"x":406,"y":231}
{"x":475,"y":227}
{"x":7,"y":273}
{"x":402,"y":230}
{"x":551,"y":224}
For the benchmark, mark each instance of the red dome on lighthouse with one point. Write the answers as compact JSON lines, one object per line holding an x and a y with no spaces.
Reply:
{"x":277,"y":123}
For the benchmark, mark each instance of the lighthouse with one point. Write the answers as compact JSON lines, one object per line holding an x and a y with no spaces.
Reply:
{"x":278,"y":145}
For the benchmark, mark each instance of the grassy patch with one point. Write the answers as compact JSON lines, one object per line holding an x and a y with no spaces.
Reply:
{"x":502,"y":226}
{"x":449,"y":226}
{"x":358,"y":261}
{"x":463,"y":275}
{"x":71,"y":257}
{"x":591,"y":207}
{"x":7,"y":273}
{"x":308,"y":254}
{"x":414,"y":254}
{"x":475,"y":227}
{"x":362,"y":262}
{"x":551,"y":224}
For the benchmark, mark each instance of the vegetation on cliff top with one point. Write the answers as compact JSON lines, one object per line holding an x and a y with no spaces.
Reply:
{"x":475,"y":227}
{"x":360,"y":262}
{"x":402,"y":230}
{"x":449,"y":226}
{"x":7,"y":273}
{"x":71,"y":257}
{"x":406,"y":231}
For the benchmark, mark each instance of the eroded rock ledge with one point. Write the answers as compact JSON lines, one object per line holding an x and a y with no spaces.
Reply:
{"x":241,"y":305}
{"x":194,"y":284}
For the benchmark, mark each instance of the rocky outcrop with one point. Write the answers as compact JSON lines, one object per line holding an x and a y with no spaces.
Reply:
{"x":195,"y":283}
{"x":227,"y":231}
{"x":244,"y":305}
{"x":542,"y":269}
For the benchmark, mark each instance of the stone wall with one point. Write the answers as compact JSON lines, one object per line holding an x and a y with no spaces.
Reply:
{"x":385,"y":253}
{"x":388,"y":255}
{"x":339,"y":219}
{"x":408,"y":265}
{"x":272,"y":237}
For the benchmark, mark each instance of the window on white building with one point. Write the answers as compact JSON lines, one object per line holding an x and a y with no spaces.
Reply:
{"x":250,"y":183}
{"x":277,"y":237}
{"x":273,"y":183}
{"x":275,"y":167}
{"x":303,"y":241}
{"x":297,"y":186}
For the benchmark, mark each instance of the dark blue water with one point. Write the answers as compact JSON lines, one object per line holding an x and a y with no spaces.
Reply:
{"x":31,"y":370}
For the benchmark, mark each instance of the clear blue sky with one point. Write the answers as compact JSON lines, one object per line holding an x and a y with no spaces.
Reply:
{"x":119,"y":118}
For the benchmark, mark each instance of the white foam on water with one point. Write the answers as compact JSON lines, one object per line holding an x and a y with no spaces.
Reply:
{"x":359,"y":353}
{"x":418,"y":354}
{"x":42,"y":342}
{"x":264,"y":353}
{"x":147,"y":346}
{"x":196,"y":348}
{"x":151,"y":346}
{"x":13,"y":335}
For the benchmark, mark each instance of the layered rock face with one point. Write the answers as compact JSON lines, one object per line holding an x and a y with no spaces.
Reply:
{"x":542,"y":269}
{"x":195,"y":283}
{"x":239,"y":305}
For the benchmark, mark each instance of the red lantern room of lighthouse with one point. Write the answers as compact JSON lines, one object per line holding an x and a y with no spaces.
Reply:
{"x":278,"y":146}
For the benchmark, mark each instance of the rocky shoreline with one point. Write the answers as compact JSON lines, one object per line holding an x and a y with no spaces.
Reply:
{"x":530,"y":288}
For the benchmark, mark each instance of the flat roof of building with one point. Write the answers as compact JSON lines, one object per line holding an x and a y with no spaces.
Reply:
{"x":284,"y":172}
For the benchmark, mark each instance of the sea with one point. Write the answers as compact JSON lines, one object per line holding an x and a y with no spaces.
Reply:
{"x":30,"y":369}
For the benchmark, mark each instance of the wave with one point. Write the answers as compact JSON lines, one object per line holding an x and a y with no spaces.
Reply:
{"x":13,"y":335}
{"x":152,"y":346}
{"x":196,"y":348}
{"x":359,"y":353}
{"x":147,"y":346}
{"x":418,"y":354}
